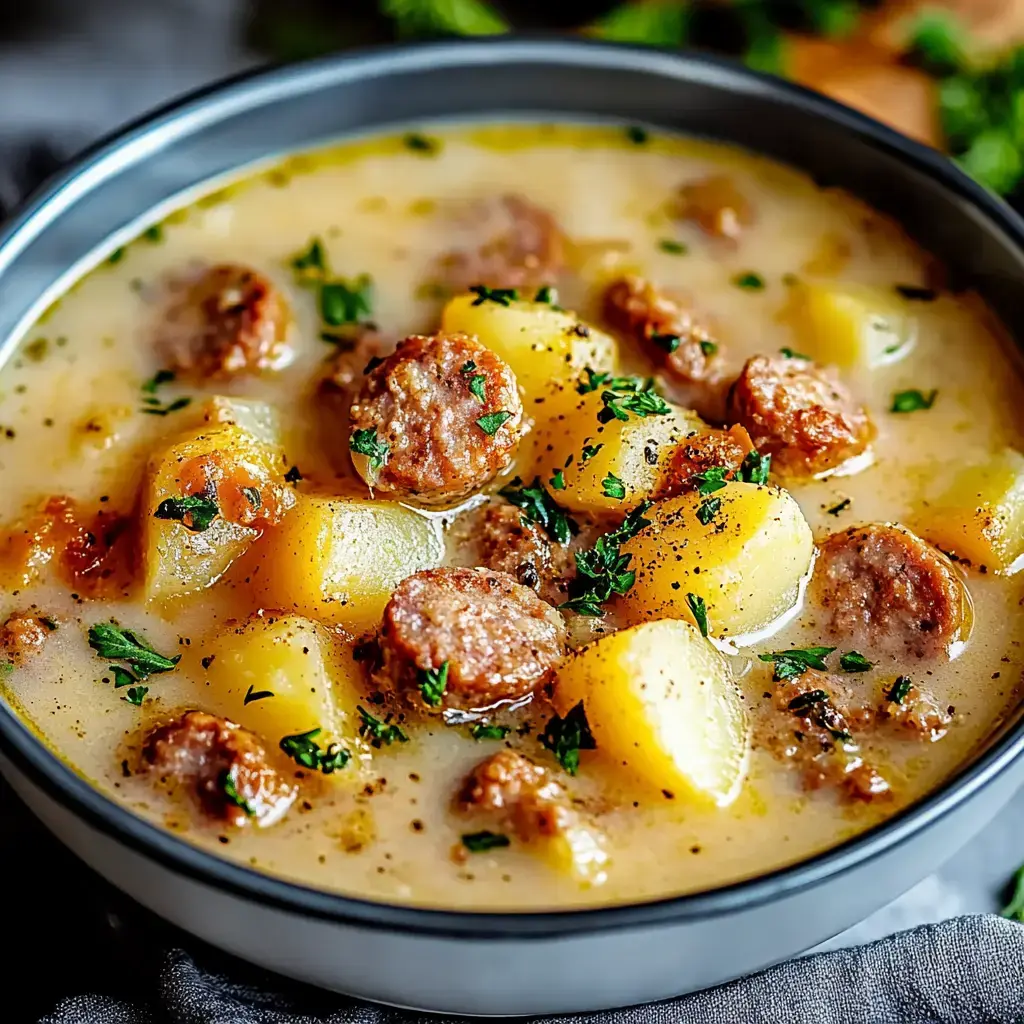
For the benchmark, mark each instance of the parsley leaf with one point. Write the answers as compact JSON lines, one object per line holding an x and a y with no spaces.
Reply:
{"x":935,"y":44}
{"x":613,"y":487}
{"x":749,"y":282}
{"x":499,"y":296}
{"x":700,"y":612}
{"x":792,"y":663}
{"x":624,"y":395}
{"x":481,"y":842}
{"x":637,"y":135}
{"x":707,"y":510}
{"x":365,"y":442}
{"x":346,"y":302}
{"x":195,"y":512}
{"x":539,"y":507}
{"x":708,"y":348}
{"x":546,"y":295}
{"x":305,"y":751}
{"x":899,"y":690}
{"x":710,"y":480}
{"x":254,"y":695}
{"x":841,"y":507}
{"x":422,"y":144}
{"x":790,"y":354}
{"x":112,"y":642}
{"x":443,"y":17}
{"x":657,"y":23}
{"x":1014,"y":910}
{"x":432,"y":683}
{"x":231,"y":794}
{"x":379,"y":731}
{"x":312,"y":262}
{"x":566,"y":737}
{"x":158,"y":379}
{"x":755,"y":468}
{"x":557,"y":480}
{"x":493,"y":421}
{"x":136,"y":695}
{"x":666,"y":342}
{"x":672,"y":247}
{"x":854,"y":661}
{"x":489,"y":732}
{"x":122,"y":677}
{"x":913,"y":400}
{"x":477,"y":381}
{"x":589,"y":451}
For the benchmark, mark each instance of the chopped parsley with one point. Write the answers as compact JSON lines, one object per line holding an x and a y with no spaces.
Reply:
{"x":790,"y":354}
{"x":665,"y":23}
{"x":122,"y":677}
{"x":755,"y":468}
{"x":158,"y":379}
{"x":489,"y":732}
{"x":421,"y":144}
{"x":195,"y":512}
{"x":312,"y":262}
{"x":637,"y":135}
{"x":841,"y":507}
{"x":602,"y":570}
{"x":710,"y":480}
{"x":672,"y":247}
{"x":566,"y":737}
{"x":117,"y":255}
{"x":898,"y":691}
{"x":477,"y":381}
{"x":112,"y":642}
{"x":589,"y":451}
{"x":539,"y":507}
{"x":817,"y":706}
{"x":700,"y":612}
{"x":749,"y":282}
{"x":305,"y":751}
{"x":708,"y":509}
{"x":254,"y":695}
{"x":1014,"y":910}
{"x":493,"y":421}
{"x":432,"y":683}
{"x":666,"y":342}
{"x":365,"y":442}
{"x":136,"y":695}
{"x":154,"y":233}
{"x":231,"y":794}
{"x":623,"y":395}
{"x":935,"y":44}
{"x":546,"y":295}
{"x":154,"y":408}
{"x":914,"y":293}
{"x":499,"y":296}
{"x":913,"y":400}
{"x":708,"y":348}
{"x":613,"y":487}
{"x":346,"y":302}
{"x":481,"y":842}
{"x":854,"y":661}
{"x":792,"y":663}
{"x":557,"y":481}
{"x":380,"y":731}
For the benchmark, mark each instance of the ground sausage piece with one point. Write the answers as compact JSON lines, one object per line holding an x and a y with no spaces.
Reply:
{"x":216,"y":758}
{"x":525,"y":248}
{"x":666,"y":328}
{"x":886,"y":591}
{"x":229,"y":320}
{"x":23,"y":635}
{"x":918,"y":713}
{"x":725,"y":449}
{"x":799,"y":414}
{"x":716,"y":205}
{"x":499,"y":640}
{"x":497,"y":536}
{"x":443,"y":441}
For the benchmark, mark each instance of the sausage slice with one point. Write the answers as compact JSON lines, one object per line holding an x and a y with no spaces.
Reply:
{"x":493,"y":639}
{"x":436,"y":420}
{"x":715,"y":449}
{"x":885,"y":590}
{"x":228,"y":321}
{"x":800,"y":414}
{"x":226,"y":767}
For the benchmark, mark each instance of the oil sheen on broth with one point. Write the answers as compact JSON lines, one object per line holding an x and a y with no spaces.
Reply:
{"x":710,"y":767}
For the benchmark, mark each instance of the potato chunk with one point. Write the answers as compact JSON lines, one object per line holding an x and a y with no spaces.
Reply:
{"x":596,"y":457}
{"x":745,"y":550}
{"x":284,"y":675}
{"x":338,"y":560}
{"x":543,"y":345}
{"x":981,"y":516}
{"x":850,"y":326}
{"x":236,"y":439}
{"x":661,"y":701}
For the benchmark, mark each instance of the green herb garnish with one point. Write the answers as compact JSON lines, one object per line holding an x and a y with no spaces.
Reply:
{"x":158,"y":379}
{"x":672,"y":247}
{"x":113,"y":642}
{"x":493,"y":421}
{"x":624,"y":395}
{"x":481,"y":842}
{"x":710,"y":480}
{"x":489,"y":732}
{"x":792,"y":663}
{"x":637,"y":135}
{"x":313,"y":259}
{"x":421,"y":144}
{"x":898,"y":691}
{"x":122,"y":677}
{"x":432,"y":683}
{"x":708,"y":509}
{"x":841,"y":507}
{"x":195,"y":512}
{"x":230,"y":791}
{"x":613,"y":487}
{"x":557,"y":480}
{"x":566,"y":737}
{"x":1014,"y":910}
{"x":790,"y":354}
{"x":755,"y":468}
{"x":153,"y":407}
{"x":935,"y":44}
{"x":749,"y":282}
{"x":708,"y":348}
{"x":913,"y":400}
{"x":589,"y":451}
{"x":666,"y":342}
{"x":365,"y":442}
{"x":346,"y":302}
{"x":854,"y":661}
{"x":443,"y":17}
{"x":546,"y":295}
{"x":539,"y":507}
{"x":254,"y":695}
{"x":657,"y":23}
{"x":379,"y":731}
{"x":305,"y":751}
{"x":136,"y":695}
{"x":700,"y":612}
{"x":499,"y":296}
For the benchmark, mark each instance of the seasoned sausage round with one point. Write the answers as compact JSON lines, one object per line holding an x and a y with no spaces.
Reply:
{"x":499,"y":641}
{"x":227,"y":768}
{"x":229,"y":320}
{"x":885,"y":590}
{"x":436,"y":420}
{"x":799,"y":414}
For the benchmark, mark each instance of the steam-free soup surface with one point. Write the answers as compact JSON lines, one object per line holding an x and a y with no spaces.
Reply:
{"x":764,"y":263}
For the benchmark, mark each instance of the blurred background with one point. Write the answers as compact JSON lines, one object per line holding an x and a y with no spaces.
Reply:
{"x":947,"y":72}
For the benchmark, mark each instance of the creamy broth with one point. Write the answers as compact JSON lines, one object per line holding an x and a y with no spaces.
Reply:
{"x":384,"y":828}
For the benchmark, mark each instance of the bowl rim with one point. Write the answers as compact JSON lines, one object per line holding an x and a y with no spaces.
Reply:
{"x":248,"y":90}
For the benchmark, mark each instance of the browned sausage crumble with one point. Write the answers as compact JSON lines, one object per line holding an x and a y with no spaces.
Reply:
{"x":493,"y":639}
{"x":886,"y":591}
{"x":229,"y":320}
{"x":716,"y":449}
{"x":800,"y":414}
{"x":226,"y":767}
{"x":449,"y":413}
{"x":24,"y":634}
{"x":917,"y":713}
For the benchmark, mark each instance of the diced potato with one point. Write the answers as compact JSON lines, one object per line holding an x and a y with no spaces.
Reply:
{"x":981,"y":516}
{"x":542,"y":345}
{"x":179,"y":561}
{"x":284,"y":675}
{"x":339,"y":560}
{"x":661,"y":701}
{"x":634,"y":451}
{"x":579,"y":852}
{"x":850,"y":326}
{"x":747,"y":562}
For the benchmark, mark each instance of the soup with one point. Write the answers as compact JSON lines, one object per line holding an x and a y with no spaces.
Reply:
{"x":514,"y":517}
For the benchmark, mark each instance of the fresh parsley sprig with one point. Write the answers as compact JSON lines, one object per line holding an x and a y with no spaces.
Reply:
{"x":365,"y":442}
{"x":115,"y":643}
{"x":379,"y":731}
{"x":539,"y":507}
{"x":432,"y":684}
{"x":792,"y":663}
{"x":195,"y":512}
{"x":305,"y":751}
{"x":566,"y":737}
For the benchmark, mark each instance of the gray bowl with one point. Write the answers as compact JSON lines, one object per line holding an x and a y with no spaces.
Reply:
{"x":491,"y":963}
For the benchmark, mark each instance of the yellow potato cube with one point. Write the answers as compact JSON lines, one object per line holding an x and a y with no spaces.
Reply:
{"x":285,"y":675}
{"x":595,"y":458}
{"x":981,"y":516}
{"x":339,"y":560}
{"x":850,"y":326}
{"x":543,"y":345}
{"x":661,"y":701}
{"x":744,"y":550}
{"x":177,"y":560}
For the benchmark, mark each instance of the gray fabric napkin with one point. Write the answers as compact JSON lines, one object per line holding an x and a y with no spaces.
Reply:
{"x":969,"y":970}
